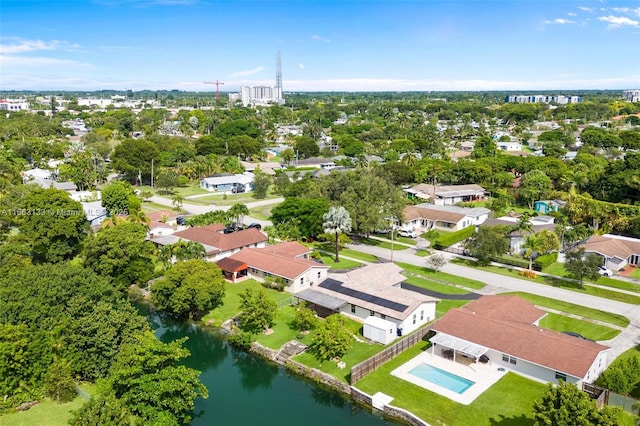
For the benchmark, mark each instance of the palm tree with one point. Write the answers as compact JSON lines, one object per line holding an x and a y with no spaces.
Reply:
{"x":138,"y":216}
{"x":336,"y":221}
{"x":237,"y":212}
{"x":531,"y":246}
{"x":177,"y":201}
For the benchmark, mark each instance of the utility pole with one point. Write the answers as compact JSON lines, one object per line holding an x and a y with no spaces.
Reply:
{"x":152,"y":172}
{"x":217,"y":83}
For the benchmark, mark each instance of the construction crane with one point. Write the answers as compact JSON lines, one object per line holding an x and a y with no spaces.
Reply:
{"x":217,"y":83}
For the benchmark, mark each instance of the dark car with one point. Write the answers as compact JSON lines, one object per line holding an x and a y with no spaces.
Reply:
{"x":238,"y":189}
{"x":181,"y":220}
{"x":578,"y":335}
{"x":230,"y":229}
{"x":255,"y":225}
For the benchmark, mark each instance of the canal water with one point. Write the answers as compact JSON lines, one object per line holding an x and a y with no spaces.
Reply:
{"x":245,"y":390}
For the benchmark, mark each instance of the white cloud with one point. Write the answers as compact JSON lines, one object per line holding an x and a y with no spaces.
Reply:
{"x":560,"y":21}
{"x":618,"y":21}
{"x":585,"y":9}
{"x":301,"y":66}
{"x":628,"y":10}
{"x":19,"y":45}
{"x":245,"y":73}
{"x":572,"y":14}
{"x":319,"y":38}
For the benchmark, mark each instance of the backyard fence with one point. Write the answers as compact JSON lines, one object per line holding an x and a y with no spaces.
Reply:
{"x":607,"y":397}
{"x":367,"y":366}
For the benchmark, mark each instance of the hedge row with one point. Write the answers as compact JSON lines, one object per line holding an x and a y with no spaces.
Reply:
{"x":546,"y":259}
{"x":449,"y":239}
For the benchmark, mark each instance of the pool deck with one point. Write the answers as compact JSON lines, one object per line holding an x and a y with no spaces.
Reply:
{"x":483,"y":376}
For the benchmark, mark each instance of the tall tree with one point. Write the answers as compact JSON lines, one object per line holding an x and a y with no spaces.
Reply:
{"x":581,"y":265}
{"x":335,"y":222}
{"x":261,"y":182}
{"x":115,"y":197}
{"x":535,"y":185}
{"x":332,"y":338}
{"x":257,"y":310}
{"x":237,"y":212}
{"x":488,"y":242}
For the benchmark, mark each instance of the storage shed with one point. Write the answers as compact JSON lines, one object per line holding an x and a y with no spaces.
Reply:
{"x":379,"y":330}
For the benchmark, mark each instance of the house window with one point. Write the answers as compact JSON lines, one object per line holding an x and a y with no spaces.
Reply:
{"x":505,"y":358}
{"x":509,"y":359}
{"x":383,"y":316}
{"x":372,"y":313}
{"x":353,"y":308}
{"x":421,"y":315}
{"x":318,"y":274}
{"x":414,"y":318}
{"x":513,"y":361}
{"x":561,"y":376}
{"x":301,"y":280}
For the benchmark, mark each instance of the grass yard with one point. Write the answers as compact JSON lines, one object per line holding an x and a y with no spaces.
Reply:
{"x":185,"y":191}
{"x":47,"y":413}
{"x":231,"y":305}
{"x":329,"y":260}
{"x":585,"y":328}
{"x":358,"y":353}
{"x":423,"y":253}
{"x":330,"y":248}
{"x":615,"y":319}
{"x":434,"y":286}
{"x":558,"y":282}
{"x":635,"y":273}
{"x":262,"y":212}
{"x":282,"y":333}
{"x":148,"y":207}
{"x":509,"y":402}
{"x":558,"y":270}
{"x":445,"y":305}
{"x":441,"y":276}
{"x":382,"y":244}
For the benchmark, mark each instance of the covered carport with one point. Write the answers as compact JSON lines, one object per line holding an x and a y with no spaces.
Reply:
{"x":457,"y":345}
{"x":323,"y":304}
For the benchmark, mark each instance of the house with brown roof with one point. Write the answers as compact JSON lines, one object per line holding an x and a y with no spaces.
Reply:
{"x":289,"y":261}
{"x":447,"y":194}
{"x":372,"y":291}
{"x":504,"y":330}
{"x":163,"y":222}
{"x":426,"y":216}
{"x":217,"y":244}
{"x":617,"y":251}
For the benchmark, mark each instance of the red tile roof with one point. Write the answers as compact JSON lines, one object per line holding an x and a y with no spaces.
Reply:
{"x":157,"y":216}
{"x":289,"y":249}
{"x":481,"y":322}
{"x":281,"y":265}
{"x":212,"y":235}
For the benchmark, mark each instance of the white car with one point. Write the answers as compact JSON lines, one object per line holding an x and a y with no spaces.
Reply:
{"x":604,"y":271}
{"x":408,"y":233}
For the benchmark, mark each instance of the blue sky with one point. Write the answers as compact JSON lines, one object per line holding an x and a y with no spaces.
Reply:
{"x":364,"y":45}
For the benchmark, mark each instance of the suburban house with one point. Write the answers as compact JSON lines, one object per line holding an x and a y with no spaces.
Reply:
{"x":227,"y":182}
{"x":217,"y":244}
{"x":547,"y":206}
{"x":504,"y":331}
{"x":267,"y":167}
{"x":289,"y":261}
{"x":94,"y":212}
{"x":509,"y":146}
{"x":449,"y":194}
{"x":617,"y":251}
{"x":426,"y":216}
{"x":162,"y":222}
{"x":37,"y":173}
{"x":372,"y":291}
{"x":517,"y":238}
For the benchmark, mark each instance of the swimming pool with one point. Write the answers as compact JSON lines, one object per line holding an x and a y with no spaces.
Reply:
{"x":441,"y":378}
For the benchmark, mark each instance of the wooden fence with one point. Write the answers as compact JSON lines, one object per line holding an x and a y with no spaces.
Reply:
{"x":360,"y":370}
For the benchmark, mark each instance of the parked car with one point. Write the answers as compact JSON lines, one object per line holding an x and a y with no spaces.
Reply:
{"x":604,"y":271}
{"x":408,"y":233}
{"x":238,"y":189}
{"x":254,"y":225}
{"x":578,"y":335}
{"x":181,"y":220}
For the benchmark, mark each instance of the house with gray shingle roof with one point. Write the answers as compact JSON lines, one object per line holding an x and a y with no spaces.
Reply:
{"x":617,"y":251}
{"x":426,"y":216}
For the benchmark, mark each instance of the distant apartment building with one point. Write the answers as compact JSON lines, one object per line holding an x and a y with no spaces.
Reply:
{"x":14,"y":105}
{"x":544,"y":99}
{"x":632,"y":95}
{"x":257,"y":95}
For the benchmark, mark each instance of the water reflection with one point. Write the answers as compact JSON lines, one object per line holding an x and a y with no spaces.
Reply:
{"x":254,"y":373}
{"x":327,"y":398}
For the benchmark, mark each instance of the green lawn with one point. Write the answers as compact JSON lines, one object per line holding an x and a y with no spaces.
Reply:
{"x":558,"y":270}
{"x":149,"y":207}
{"x":508,"y":402}
{"x":558,"y":282}
{"x":358,"y":353}
{"x":282,"y":333}
{"x":635,"y":273}
{"x":382,"y":244}
{"x":441,"y":276}
{"x":585,"y":328}
{"x":47,"y":413}
{"x":434,"y":286}
{"x":571,"y":308}
{"x":445,"y":305}
{"x":231,"y":305}
{"x":329,"y":260}
{"x":423,"y":253}
{"x":330,"y":248}
{"x":262,"y":212}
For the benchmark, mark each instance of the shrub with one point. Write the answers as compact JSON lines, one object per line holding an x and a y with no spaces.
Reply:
{"x":277,"y":283}
{"x":241,"y":340}
{"x":546,"y":259}
{"x":304,"y":319}
{"x":528,"y":274}
{"x":446,"y":240}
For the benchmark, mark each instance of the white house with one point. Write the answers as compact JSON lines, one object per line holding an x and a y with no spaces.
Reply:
{"x":504,"y":331}
{"x":37,"y":173}
{"x":509,"y":146}
{"x":426,"y":216}
{"x":94,"y":212}
{"x":289,"y":261}
{"x":517,"y":238}
{"x":228,"y":181}
{"x":372,"y":291}
{"x":448,"y":194}
{"x":617,"y":251}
